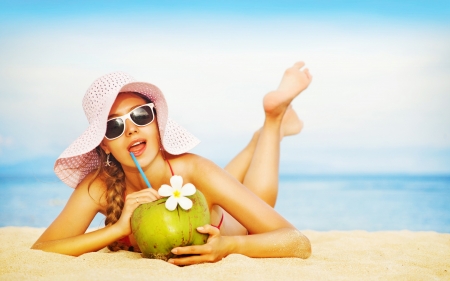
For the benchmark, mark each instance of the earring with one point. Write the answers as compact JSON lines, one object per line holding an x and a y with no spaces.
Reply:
{"x":107,"y":162}
{"x":163,"y":152}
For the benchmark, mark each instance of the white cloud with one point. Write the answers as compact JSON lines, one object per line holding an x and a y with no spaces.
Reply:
{"x":374,"y":86}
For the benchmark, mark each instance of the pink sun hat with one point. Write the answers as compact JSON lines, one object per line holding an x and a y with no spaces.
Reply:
{"x":80,"y":158}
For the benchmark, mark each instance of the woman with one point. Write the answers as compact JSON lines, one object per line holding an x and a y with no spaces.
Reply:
{"x":241,"y":197}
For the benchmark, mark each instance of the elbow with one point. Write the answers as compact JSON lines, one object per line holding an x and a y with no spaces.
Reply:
{"x":303,"y":249}
{"x":43,"y":246}
{"x":307,"y":250}
{"x":36,"y":246}
{"x":40,"y":246}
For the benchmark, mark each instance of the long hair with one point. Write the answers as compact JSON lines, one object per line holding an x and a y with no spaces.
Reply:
{"x":114,"y":178}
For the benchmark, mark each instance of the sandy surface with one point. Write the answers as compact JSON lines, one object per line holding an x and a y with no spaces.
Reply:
{"x":337,"y":255}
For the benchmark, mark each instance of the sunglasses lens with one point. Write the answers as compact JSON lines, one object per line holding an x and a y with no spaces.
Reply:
{"x":114,"y":128}
{"x":142,"y":115}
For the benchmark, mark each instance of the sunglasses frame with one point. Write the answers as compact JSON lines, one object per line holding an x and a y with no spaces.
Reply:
{"x":128,"y":116}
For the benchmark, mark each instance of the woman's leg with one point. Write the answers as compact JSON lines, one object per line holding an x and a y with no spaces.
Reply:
{"x":238,"y":166}
{"x":257,"y":165}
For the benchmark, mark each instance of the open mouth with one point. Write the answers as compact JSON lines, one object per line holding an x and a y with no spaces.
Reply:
{"x":137,"y":147}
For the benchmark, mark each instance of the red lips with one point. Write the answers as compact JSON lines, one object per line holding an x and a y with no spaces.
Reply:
{"x":137,"y":147}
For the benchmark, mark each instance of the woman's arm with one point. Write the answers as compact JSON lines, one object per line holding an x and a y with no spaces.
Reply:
{"x":284,"y":242}
{"x":66,"y":235}
{"x":273,"y":236}
{"x":82,"y":243}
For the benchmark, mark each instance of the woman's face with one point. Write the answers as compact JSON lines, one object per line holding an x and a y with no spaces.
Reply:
{"x":143,"y":141}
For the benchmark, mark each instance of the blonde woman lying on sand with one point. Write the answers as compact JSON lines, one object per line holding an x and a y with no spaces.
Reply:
{"x":240,"y":197}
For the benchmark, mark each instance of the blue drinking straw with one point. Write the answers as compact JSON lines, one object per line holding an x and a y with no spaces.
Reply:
{"x":140,"y":170}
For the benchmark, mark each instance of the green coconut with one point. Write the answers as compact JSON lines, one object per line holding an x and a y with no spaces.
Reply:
{"x":157,"y":230}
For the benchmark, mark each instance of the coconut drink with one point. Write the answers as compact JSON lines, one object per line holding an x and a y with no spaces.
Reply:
{"x":170,"y":222}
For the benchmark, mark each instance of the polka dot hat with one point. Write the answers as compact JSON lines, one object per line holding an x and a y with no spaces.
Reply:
{"x":80,"y":158}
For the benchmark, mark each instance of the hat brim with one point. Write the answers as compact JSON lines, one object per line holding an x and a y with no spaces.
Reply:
{"x":80,"y":158}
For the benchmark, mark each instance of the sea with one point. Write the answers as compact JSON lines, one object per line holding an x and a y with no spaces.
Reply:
{"x":310,"y":202}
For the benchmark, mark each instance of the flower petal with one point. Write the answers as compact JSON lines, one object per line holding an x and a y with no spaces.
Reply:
{"x":185,"y":203}
{"x":171,"y":203}
{"x":176,"y":181}
{"x":188,"y":189}
{"x":165,"y":190}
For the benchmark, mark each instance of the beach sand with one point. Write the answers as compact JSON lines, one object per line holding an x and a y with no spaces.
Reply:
{"x":337,"y":255}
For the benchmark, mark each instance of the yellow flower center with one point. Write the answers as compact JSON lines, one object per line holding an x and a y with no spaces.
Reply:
{"x":177,"y":193}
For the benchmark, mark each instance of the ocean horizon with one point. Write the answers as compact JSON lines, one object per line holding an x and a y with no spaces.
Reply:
{"x":374,"y":202}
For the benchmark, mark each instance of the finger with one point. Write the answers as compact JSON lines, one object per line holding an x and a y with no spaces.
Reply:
{"x":135,"y":200}
{"x":191,"y":260}
{"x":150,"y":197}
{"x":131,"y":199}
{"x":156,"y":194}
{"x":208,"y":229}
{"x":192,"y":250}
{"x":143,"y":196}
{"x":299,"y":64}
{"x":148,"y":191}
{"x":145,"y":199}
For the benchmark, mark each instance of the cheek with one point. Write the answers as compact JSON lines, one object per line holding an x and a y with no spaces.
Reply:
{"x":118,"y":149}
{"x":153,"y":141}
{"x":152,"y":135}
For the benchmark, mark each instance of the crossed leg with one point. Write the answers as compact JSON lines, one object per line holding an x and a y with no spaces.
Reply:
{"x":257,"y":165}
{"x":240,"y":164}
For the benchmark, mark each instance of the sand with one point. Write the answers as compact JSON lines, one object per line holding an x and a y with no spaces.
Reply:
{"x":337,"y":255}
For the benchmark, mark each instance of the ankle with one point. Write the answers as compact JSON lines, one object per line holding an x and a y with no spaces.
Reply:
{"x":274,"y":109}
{"x":275,"y":116}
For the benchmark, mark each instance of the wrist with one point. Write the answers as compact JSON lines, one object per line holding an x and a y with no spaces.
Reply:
{"x":231,"y":244}
{"x":118,"y":230}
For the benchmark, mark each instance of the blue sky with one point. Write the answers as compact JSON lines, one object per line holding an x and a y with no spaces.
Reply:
{"x":378,"y":102}
{"x":435,"y":10}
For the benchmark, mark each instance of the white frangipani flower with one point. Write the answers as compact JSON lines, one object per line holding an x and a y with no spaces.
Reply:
{"x":177,"y":193}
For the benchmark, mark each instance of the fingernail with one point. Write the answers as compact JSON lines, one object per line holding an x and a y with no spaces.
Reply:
{"x":170,"y":261}
{"x":175,"y":251}
{"x":200,"y":228}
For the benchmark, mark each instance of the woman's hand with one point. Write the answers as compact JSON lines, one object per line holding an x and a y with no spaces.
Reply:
{"x":132,"y":201}
{"x":215,"y":249}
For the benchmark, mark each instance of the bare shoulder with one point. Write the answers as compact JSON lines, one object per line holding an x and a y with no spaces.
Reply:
{"x":94,"y":187}
{"x":189,"y":165}
{"x":208,"y":177}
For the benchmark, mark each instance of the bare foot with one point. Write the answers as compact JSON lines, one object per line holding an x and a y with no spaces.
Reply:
{"x":291,"y":124}
{"x":294,"y":81}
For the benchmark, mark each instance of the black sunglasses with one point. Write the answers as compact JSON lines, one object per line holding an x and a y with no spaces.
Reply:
{"x":141,"y":116}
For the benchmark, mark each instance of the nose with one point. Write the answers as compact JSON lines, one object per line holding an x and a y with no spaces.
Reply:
{"x":130,"y":127}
